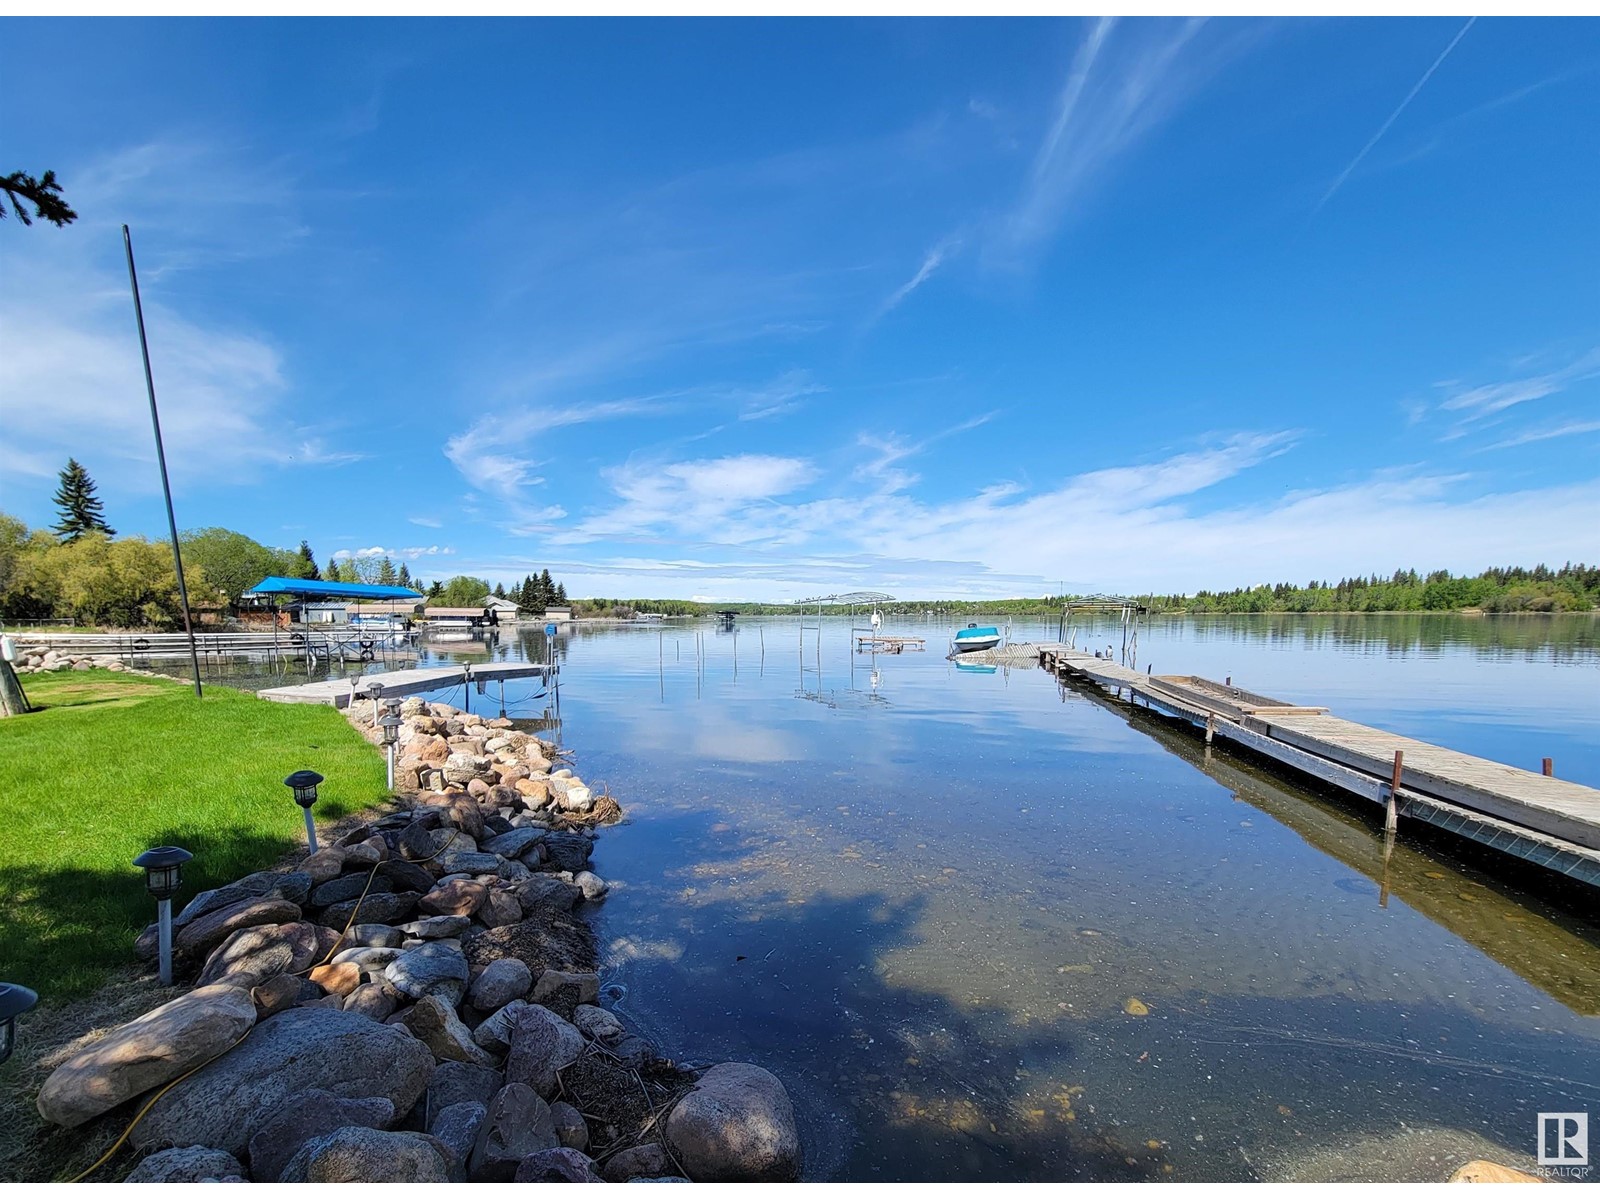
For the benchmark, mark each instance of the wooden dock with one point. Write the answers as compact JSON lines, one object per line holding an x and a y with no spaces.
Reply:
{"x":340,"y":692}
{"x":888,"y":644}
{"x":1552,"y":822}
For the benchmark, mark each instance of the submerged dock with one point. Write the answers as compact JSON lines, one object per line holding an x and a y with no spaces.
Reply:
{"x":1551,"y":822}
{"x":340,"y":692}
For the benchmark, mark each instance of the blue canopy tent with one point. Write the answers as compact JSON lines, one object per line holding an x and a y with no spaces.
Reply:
{"x":277,"y":584}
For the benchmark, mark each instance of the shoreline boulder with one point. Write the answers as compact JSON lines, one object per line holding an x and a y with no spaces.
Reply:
{"x":737,"y":1125}
{"x":146,"y":1053}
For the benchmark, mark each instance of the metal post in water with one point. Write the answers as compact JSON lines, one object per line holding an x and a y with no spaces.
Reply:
{"x":161,"y":459}
{"x":1391,"y":820}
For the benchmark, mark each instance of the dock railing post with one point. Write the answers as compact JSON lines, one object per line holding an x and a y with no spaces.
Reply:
{"x":1211,"y":727}
{"x":1391,"y":819}
{"x":1549,"y":768}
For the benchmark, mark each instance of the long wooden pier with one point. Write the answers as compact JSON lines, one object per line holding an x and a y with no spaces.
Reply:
{"x":340,"y":692}
{"x":1551,"y":822}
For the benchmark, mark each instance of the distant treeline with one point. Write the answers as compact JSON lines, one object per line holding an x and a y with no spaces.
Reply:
{"x":1540,"y":589}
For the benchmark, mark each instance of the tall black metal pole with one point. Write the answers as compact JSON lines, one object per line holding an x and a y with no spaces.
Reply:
{"x":161,"y":458}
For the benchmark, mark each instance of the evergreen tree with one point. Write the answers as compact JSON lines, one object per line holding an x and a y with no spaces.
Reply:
{"x":80,"y":508}
{"x":500,"y":591}
{"x":514,"y":594}
{"x":435,"y":590}
{"x":308,"y":562}
{"x":561,"y":593}
{"x":403,"y":579}
{"x":547,"y":589}
{"x":386,"y":575}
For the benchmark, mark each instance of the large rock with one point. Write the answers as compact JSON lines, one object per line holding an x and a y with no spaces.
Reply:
{"x":381,"y":908}
{"x":376,"y":1000}
{"x":250,"y":957}
{"x":597,"y":1023}
{"x":469,"y":862}
{"x":591,"y":885}
{"x":204,"y":934}
{"x":459,"y":898}
{"x":502,"y":908}
{"x":146,"y":1053}
{"x":546,"y":893}
{"x":457,"y":1127}
{"x":557,"y":1166}
{"x":515,"y":843}
{"x":518,"y":1124}
{"x":292,"y":886}
{"x":541,"y":1045}
{"x":306,"y":1115}
{"x":737,"y":1125}
{"x":565,"y":990}
{"x":225,"y":1103}
{"x":406,"y":876}
{"x":434,"y":968}
{"x":571,"y":1128}
{"x":282,"y":992}
{"x":494,"y":1032}
{"x":568,"y":851}
{"x":325,"y":864}
{"x":645,"y":1161}
{"x":185,"y":1164}
{"x":501,"y":982}
{"x":348,"y":887}
{"x":458,"y":1082}
{"x":359,"y":1155}
{"x":435,"y":1024}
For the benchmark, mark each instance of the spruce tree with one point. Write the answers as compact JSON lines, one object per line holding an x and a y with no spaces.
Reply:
{"x":80,"y":508}
{"x":500,"y":591}
{"x":403,"y":579}
{"x":547,"y":589}
{"x":308,"y":562}
{"x":386,"y":574}
{"x":561,"y":593}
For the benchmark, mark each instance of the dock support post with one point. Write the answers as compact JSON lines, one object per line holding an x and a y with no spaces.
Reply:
{"x":1211,"y":727}
{"x":1549,"y":768}
{"x":1391,"y":819}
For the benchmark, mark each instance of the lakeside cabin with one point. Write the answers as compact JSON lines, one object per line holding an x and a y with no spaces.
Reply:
{"x":558,"y":612}
{"x":444,"y":617}
{"x":506,"y":610}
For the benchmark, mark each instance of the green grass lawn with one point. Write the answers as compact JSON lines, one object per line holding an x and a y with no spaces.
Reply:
{"x":113,"y":764}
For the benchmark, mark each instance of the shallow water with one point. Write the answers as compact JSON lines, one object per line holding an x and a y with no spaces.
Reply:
{"x":926,"y":898}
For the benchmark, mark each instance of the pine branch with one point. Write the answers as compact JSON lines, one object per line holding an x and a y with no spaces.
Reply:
{"x":44,"y":194}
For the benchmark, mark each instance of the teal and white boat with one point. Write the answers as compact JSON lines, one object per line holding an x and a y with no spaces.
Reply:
{"x":976,"y":637}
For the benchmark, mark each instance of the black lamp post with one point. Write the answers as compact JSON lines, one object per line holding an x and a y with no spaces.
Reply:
{"x":163,"y":876}
{"x":389,"y":731}
{"x":304,"y":784}
{"x":14,"y":1001}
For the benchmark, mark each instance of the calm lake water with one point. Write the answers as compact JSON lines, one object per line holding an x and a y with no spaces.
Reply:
{"x":926,"y":898}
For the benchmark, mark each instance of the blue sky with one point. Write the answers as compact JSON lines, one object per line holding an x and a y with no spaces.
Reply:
{"x":760,"y":309}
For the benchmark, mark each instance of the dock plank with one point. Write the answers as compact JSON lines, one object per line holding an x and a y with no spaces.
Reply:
{"x":1359,"y":758}
{"x":409,"y":682}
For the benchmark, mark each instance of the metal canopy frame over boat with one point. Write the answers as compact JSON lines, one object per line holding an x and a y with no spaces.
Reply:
{"x":1128,"y":608}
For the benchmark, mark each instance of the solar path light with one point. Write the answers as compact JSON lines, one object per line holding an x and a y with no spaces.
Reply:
{"x":163,"y":876}
{"x":389,"y":731}
{"x":304,"y":784}
{"x":14,"y":1001}
{"x":374,"y":693}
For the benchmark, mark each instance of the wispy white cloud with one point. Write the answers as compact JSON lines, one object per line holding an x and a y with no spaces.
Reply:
{"x":394,"y":552}
{"x":703,"y":495}
{"x":1480,"y":402}
{"x":783,"y":395}
{"x":1547,"y":433}
{"x":931,"y":262}
{"x":1393,"y":117}
{"x":1125,"y":79}
{"x":1135,"y":526}
{"x":427,"y":522}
